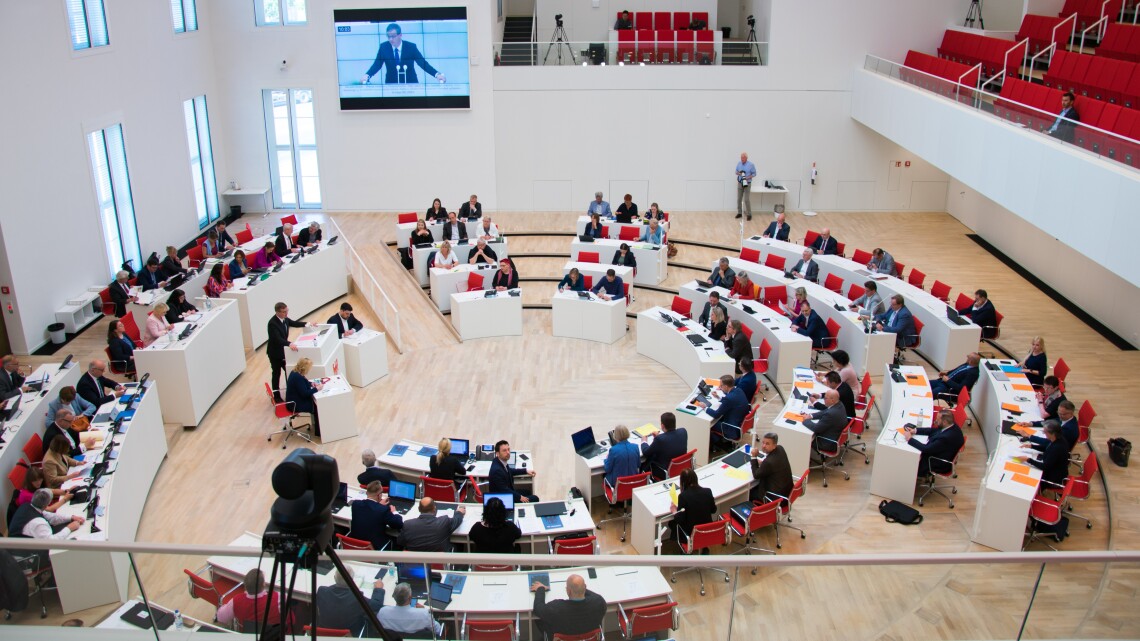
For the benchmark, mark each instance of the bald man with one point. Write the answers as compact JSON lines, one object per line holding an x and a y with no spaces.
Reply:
{"x":284,"y":246}
{"x":93,"y":386}
{"x":824,"y":244}
{"x":778,"y":229}
{"x":828,"y":422}
{"x":950,"y":384}
{"x":581,"y":612}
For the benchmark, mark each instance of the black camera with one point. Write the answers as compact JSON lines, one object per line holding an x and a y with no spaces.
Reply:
{"x":751,"y":21}
{"x":558,"y":19}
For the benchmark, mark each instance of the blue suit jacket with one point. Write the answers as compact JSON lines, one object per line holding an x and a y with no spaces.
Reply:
{"x":815,"y":329}
{"x":147,"y":280}
{"x":410,"y":56}
{"x":299,"y":391}
{"x":747,"y":384}
{"x":337,"y":608}
{"x":666,"y":446}
{"x":778,"y":232}
{"x":501,"y":478}
{"x":903,"y":326}
{"x":370,"y":522}
{"x":732,"y":410}
{"x":961,"y":376}
{"x":942,"y":444}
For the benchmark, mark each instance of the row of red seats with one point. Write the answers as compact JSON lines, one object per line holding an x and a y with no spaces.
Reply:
{"x":660,"y":20}
{"x":1114,"y":81}
{"x":1089,"y":11}
{"x":942,"y":68}
{"x":1121,"y":41}
{"x":665,"y":45}
{"x":1042,"y":32}
{"x":1018,"y":96}
{"x":994,"y":54}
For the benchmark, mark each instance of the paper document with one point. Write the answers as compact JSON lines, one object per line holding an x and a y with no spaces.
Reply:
{"x":646,"y":430}
{"x":737,"y":474}
{"x":673,"y":493}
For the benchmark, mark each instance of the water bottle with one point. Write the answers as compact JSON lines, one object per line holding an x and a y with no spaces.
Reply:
{"x":209,"y":304}
{"x":178,"y":624}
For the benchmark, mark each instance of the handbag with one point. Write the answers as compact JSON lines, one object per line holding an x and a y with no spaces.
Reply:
{"x":896,"y":512}
{"x":1119,"y":450}
{"x":80,"y":424}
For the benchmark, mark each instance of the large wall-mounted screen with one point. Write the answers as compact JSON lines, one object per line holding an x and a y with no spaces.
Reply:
{"x":402,"y":58}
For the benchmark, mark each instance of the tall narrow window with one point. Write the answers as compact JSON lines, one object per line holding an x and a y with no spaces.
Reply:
{"x":88,"y":24}
{"x":113,"y":188}
{"x":201,"y":160}
{"x":280,"y":12}
{"x":290,"y":128}
{"x":185,"y":14}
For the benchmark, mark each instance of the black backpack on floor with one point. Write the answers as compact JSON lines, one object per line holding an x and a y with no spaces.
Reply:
{"x":896,"y":512}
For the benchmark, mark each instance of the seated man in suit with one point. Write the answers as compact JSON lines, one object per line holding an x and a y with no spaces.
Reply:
{"x":471,"y":209}
{"x":150,"y":278}
{"x":63,"y":426}
{"x":882,"y":262}
{"x":827,"y":424}
{"x":846,"y":395}
{"x":943,"y":443}
{"x":92,"y":386}
{"x":870,"y":304}
{"x":774,"y":474}
{"x":310,"y":235}
{"x":373,"y":516}
{"x":610,"y":287}
{"x":405,"y":618}
{"x":810,"y":324}
{"x":372,"y":471}
{"x":11,"y":382}
{"x":345,"y":321}
{"x":429,"y":532}
{"x":482,"y":254}
{"x":1054,"y":461}
{"x":225,"y":241}
{"x":172,"y":264}
{"x":705,"y":319}
{"x":453,"y":229}
{"x":120,"y":292}
{"x":583,"y":611}
{"x":722,"y":275}
{"x":283,"y":245}
{"x":898,"y":321}
{"x":338,"y":609}
{"x":805,"y":267}
{"x":1070,"y":429}
{"x":624,"y":22}
{"x":950,"y":384}
{"x":825,"y":244}
{"x":1065,"y":126}
{"x":501,"y":478}
{"x":778,"y":229}
{"x":747,"y":379}
{"x":664,"y":447}
{"x":729,"y":415}
{"x":982,"y":312}
{"x":736,"y":344}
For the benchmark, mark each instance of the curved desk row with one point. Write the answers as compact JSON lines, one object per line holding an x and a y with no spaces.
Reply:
{"x":462,"y":251}
{"x":895,"y":469}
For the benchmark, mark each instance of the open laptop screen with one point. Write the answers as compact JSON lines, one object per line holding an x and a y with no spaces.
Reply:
{"x":507,"y":499}
{"x":583,"y":438}
{"x":460,"y":447}
{"x":402,"y":490}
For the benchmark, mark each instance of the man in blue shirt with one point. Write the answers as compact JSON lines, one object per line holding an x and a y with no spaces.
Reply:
{"x":610,"y":287}
{"x":599,"y":206}
{"x":745,"y":173}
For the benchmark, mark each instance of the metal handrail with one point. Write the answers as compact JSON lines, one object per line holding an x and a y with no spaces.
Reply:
{"x":1033,"y":59}
{"x":369,"y":287}
{"x":1103,"y":22}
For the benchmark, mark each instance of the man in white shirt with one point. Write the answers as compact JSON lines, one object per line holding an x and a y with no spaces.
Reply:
{"x":807,"y":268}
{"x":405,"y":617}
{"x":489,"y":231}
{"x":31,"y":521}
{"x":870,"y":304}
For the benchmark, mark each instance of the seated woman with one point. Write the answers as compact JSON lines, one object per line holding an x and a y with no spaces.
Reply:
{"x":572,"y":281}
{"x":34,"y":480}
{"x":506,"y":277}
{"x":171,"y":265}
{"x":442,"y":465}
{"x":265,"y":257}
{"x":299,"y":391}
{"x":180,"y":308}
{"x":654,"y":212}
{"x":624,"y":256}
{"x":1036,"y":364}
{"x":494,"y":534}
{"x":623,"y":459}
{"x":57,"y":462}
{"x":156,"y":324}
{"x":742,"y":287}
{"x":697,"y":503}
{"x":238,"y":266}
{"x":795,"y":308}
{"x":594,"y":227}
{"x":435,"y":212}
{"x":421,"y":235}
{"x":212,"y":247}
{"x":654,"y":233}
{"x":217,"y":282}
{"x":122,"y":350}
{"x":445,"y":258}
{"x":719,"y":323}
{"x":627,"y":211}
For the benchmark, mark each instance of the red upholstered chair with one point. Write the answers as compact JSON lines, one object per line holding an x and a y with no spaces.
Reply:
{"x":747,"y":332}
{"x":1061,"y":371}
{"x":349,"y":543}
{"x":834,"y":283}
{"x":1082,"y":486}
{"x":662,"y":20}
{"x":760,"y":516}
{"x":621,"y":494}
{"x":626,"y":48}
{"x":705,"y":48}
{"x":899,"y":267}
{"x":686,"y":51}
{"x":587,"y":545}
{"x":952,"y":473}
{"x":775,"y":295}
{"x":1085,"y":414}
{"x":682,"y":306}
{"x":686,"y":461}
{"x":202,"y":588}
{"x":750,"y":255}
{"x":831,"y":452}
{"x":105,"y":300}
{"x":475,"y":490}
{"x":681,"y":20}
{"x":918,"y":325}
{"x":738,"y":434}
{"x":286,"y":414}
{"x":1047,"y":511}
{"x":441,"y":489}
{"x":840,"y":248}
{"x":34,"y":450}
{"x":643,"y":20}
{"x":702,"y":537}
{"x":243,"y":236}
{"x":490,"y":629}
{"x":916,"y":278}
{"x":962,"y":301}
{"x":195,"y":256}
{"x":595,"y":635}
{"x":17,"y":475}
{"x":409,"y":217}
{"x":864,"y":387}
{"x":474,"y":282}
{"x":588,"y":281}
{"x":855,"y":291}
{"x":628,"y":233}
{"x":645,"y":45}
{"x":992,"y":332}
{"x":588,"y":257}
{"x":775,"y":262}
{"x":809,"y":238}
{"x":201,"y":241}
{"x":625,"y":290}
{"x":702,"y":16}
{"x":131,"y":329}
{"x":939,"y":290}
{"x":291,"y":219}
{"x":328,"y":632}
{"x":760,"y":367}
{"x":646,"y":621}
{"x":666,"y":45}
{"x":790,"y":500}
{"x":829,"y":344}
{"x":861,"y":257}
{"x":858,"y":425}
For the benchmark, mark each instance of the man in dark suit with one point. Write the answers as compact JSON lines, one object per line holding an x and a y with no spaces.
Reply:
{"x":284,"y":245}
{"x":337,"y":608}
{"x":746,"y":382}
{"x":950,"y":384}
{"x":224,"y":239}
{"x":1065,"y":126}
{"x":898,"y":321}
{"x":731,"y":411}
{"x":582,"y":612}
{"x":310,"y":235}
{"x":278,"y":332}
{"x":63,"y":426}
{"x":829,"y":423}
{"x":454,"y":229}
{"x":501,"y":478}
{"x":664,"y":447}
{"x":846,"y":394}
{"x":882,"y":262}
{"x":120,"y":291}
{"x":346,"y":323}
{"x":736,"y":343}
{"x":429,"y":532}
{"x":982,"y":312}
{"x":149,"y":277}
{"x":825,"y":244}
{"x":11,"y":383}
{"x":93,"y":385}
{"x":722,"y":275}
{"x":805,"y":267}
{"x":810,"y":324}
{"x":399,"y":59}
{"x":1070,"y":428}
{"x":705,"y":319}
{"x":372,"y":472}
{"x":472,"y":208}
{"x":372,"y":517}
{"x":1054,"y":462}
{"x":773,"y":475}
{"x":778,"y":229}
{"x":943,"y":443}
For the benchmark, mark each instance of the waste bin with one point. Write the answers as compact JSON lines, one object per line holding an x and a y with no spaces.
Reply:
{"x":58,"y":335}
{"x":235,"y":211}
{"x":727,"y":31}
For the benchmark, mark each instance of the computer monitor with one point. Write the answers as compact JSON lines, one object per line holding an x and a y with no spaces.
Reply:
{"x":583,"y":438}
{"x":507,"y":499}
{"x":402,"y":490}
{"x":460,"y":447}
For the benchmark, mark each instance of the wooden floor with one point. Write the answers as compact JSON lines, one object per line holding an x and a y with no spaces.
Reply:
{"x":537,"y":389}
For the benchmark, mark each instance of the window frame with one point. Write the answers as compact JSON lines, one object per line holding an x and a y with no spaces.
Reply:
{"x":260,"y":20}
{"x":185,"y":8}
{"x":90,"y":46}
{"x":202,"y":167}
{"x":274,"y":150}
{"x":119,"y":199}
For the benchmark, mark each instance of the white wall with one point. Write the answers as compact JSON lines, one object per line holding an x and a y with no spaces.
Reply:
{"x":586,"y":23}
{"x":1000,"y":15}
{"x":54,"y":246}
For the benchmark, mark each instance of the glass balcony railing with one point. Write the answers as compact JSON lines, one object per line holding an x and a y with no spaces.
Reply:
{"x":734,"y":597}
{"x":544,"y":54}
{"x":1099,"y":142}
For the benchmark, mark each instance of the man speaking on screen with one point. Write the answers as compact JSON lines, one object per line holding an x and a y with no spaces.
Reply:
{"x":399,"y":58}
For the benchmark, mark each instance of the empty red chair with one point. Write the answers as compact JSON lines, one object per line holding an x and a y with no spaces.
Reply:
{"x":409,"y":217}
{"x":940,"y":290}
{"x":681,"y":20}
{"x":587,"y":545}
{"x":963,"y":301}
{"x":588,"y":281}
{"x":861,"y":257}
{"x":916,"y":278}
{"x":643,"y":20}
{"x":588,"y":257}
{"x":840,"y":248}
{"x":834,"y":283}
{"x":1082,"y":486}
{"x":775,"y":295}
{"x":705,"y":48}
{"x":195,"y":256}
{"x":594,"y":635}
{"x":439,"y":489}
{"x":1121,"y":41}
{"x":645,"y":45}
{"x":474,"y":282}
{"x":682,"y":306}
{"x":686,"y":50}
{"x":628,"y":233}
{"x":702,"y":537}
{"x":621,"y":494}
{"x":243,"y":236}
{"x":666,"y":46}
{"x":626,"y":46}
{"x":899,"y":267}
{"x":775,"y":262}
{"x":328,"y":632}
{"x":855,"y":291}
{"x":291,"y":219}
{"x":490,"y":629}
{"x":349,"y":543}
{"x":750,"y":255}
{"x":662,"y":20}
{"x":646,"y":621}
{"x":1061,"y":371}
{"x":34,"y":450}
{"x":625,"y":290}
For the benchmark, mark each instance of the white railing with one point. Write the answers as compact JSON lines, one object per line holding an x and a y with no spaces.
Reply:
{"x":1099,"y":25}
{"x":370,"y":289}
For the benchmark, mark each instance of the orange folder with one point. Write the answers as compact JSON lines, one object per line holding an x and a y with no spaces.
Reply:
{"x":1016,"y":468}
{"x":917,"y":380}
{"x":799,"y":418}
{"x":1022,"y":387}
{"x":1025,"y":480}
{"x":1010,"y":407}
{"x":1024,"y":431}
{"x":712,"y":382}
{"x":805,"y":385}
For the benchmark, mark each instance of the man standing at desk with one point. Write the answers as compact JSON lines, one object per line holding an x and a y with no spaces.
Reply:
{"x":665,"y":447}
{"x":778,"y":229}
{"x":599,"y":207}
{"x":397,"y":56}
{"x":581,"y":612}
{"x":610,"y":287}
{"x":278,"y":332}
{"x":745,"y":174}
{"x":345,"y":321}
{"x":501,"y":478}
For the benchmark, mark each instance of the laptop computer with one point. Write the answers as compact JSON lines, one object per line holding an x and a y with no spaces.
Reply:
{"x":139,"y":617}
{"x":585,"y":444}
{"x":402,"y":495}
{"x":460,"y":448}
{"x":38,"y":384}
{"x":955,"y":317}
{"x":13,"y":411}
{"x":696,"y":339}
{"x":550,"y":509}
{"x":439,"y":595}
{"x":585,"y":238}
{"x":341,"y":499}
{"x":508,"y":502}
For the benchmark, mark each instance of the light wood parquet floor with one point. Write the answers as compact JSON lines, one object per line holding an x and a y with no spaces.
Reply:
{"x":535,"y":390}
